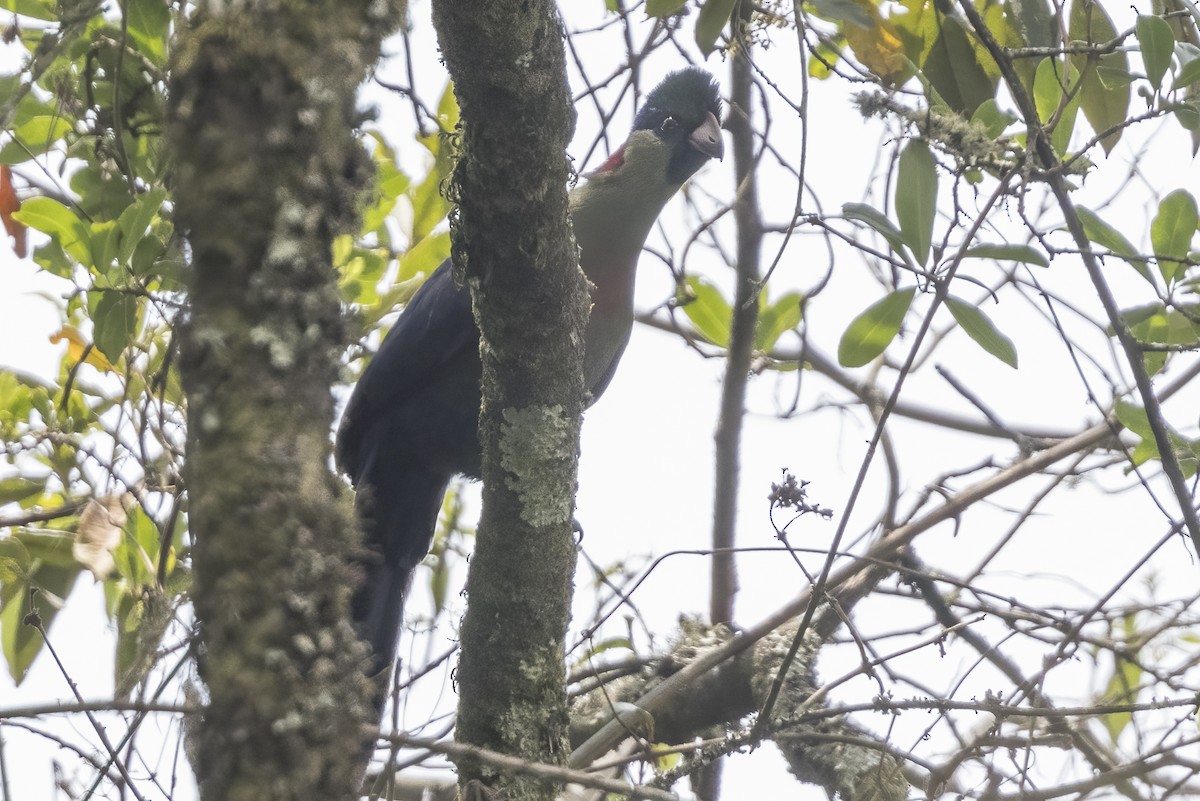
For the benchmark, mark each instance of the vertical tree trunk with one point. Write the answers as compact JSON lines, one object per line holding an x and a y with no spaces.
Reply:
{"x":728,"y":437}
{"x":514,"y":245}
{"x":743,"y":326}
{"x":262,"y":110}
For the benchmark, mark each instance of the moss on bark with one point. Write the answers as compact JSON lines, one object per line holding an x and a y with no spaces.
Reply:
{"x":512,"y":244}
{"x":267,"y":168}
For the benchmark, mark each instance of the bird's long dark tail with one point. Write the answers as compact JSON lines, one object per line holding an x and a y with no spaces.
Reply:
{"x":398,"y":506}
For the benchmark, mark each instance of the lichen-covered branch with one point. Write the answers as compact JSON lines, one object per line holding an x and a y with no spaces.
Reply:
{"x":820,"y":749}
{"x":513,"y":246}
{"x":267,"y":170}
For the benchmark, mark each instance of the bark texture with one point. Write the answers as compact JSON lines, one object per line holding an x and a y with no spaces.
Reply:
{"x":820,"y":748}
{"x":513,"y":246}
{"x":728,"y":436}
{"x":262,"y":113}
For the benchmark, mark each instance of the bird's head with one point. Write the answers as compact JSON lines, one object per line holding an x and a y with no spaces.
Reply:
{"x":678,"y":126}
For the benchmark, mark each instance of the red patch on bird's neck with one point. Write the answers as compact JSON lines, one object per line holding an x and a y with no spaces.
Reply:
{"x":614,"y":161}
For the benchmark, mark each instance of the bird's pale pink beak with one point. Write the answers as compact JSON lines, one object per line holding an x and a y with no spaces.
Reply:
{"x":707,"y":138}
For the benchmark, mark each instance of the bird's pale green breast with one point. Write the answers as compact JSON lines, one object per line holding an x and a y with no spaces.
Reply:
{"x":612,"y":215}
{"x":623,"y":203}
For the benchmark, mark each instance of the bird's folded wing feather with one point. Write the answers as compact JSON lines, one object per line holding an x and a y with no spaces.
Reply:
{"x":432,"y":331}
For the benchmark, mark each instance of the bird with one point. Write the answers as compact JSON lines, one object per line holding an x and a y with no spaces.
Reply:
{"x":411,"y":422}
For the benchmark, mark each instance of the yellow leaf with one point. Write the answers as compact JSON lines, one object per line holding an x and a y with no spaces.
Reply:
{"x":877,"y":47}
{"x":77,"y":346}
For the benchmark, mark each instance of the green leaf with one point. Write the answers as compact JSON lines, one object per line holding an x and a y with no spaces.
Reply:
{"x":876,"y":219}
{"x":15,"y":561}
{"x":115,"y":323}
{"x":136,"y":555}
{"x":776,"y":319}
{"x":102,"y":195}
{"x":1157,"y":44}
{"x":53,"y":218}
{"x":978,"y":327}
{"x":1139,"y":314}
{"x":142,"y":530}
{"x":1101,"y":233}
{"x":1153,"y":323}
{"x":136,"y":220}
{"x":1050,"y":86}
{"x":34,"y":137}
{"x":843,"y":11}
{"x":1104,"y":89}
{"x":1025,"y":254}
{"x":1113,"y":77}
{"x":20,"y":642}
{"x":1034,"y":21}
{"x":1135,"y":419}
{"x":146,"y":260}
{"x":1187,"y":114}
{"x":1171,"y":232}
{"x":374,"y":216}
{"x":35,"y":9}
{"x":16,"y":398}
{"x":663,"y":8}
{"x":869,"y":334}
{"x":709,"y":311}
{"x":1161,"y":326}
{"x":342,"y":249}
{"x":825,"y":57}
{"x":448,"y":115}
{"x":15,"y":489}
{"x":425,"y":257}
{"x":932,"y":95}
{"x":126,"y":611}
{"x":954,"y":69}
{"x":390,"y":184}
{"x":439,"y":581}
{"x":49,"y":547}
{"x":103,"y":238}
{"x":992,"y":118}
{"x":359,"y":275}
{"x":148,"y":22}
{"x":1144,"y":451}
{"x":396,"y":295}
{"x":713,"y":16}
{"x":1122,"y":688}
{"x":429,"y":207}
{"x":916,"y":198}
{"x":1189,"y":71}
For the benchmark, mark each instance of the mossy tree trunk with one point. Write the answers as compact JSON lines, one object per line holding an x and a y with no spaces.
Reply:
{"x":262,"y":113}
{"x":514,"y":247}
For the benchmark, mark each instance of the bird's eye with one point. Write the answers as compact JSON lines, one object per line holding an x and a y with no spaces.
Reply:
{"x":669,"y":125}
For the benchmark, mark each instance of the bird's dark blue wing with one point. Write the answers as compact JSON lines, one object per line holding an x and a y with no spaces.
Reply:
{"x":409,"y":426}
{"x":433,"y":333}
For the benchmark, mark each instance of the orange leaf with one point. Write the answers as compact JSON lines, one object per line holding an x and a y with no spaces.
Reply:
{"x":9,"y":203}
